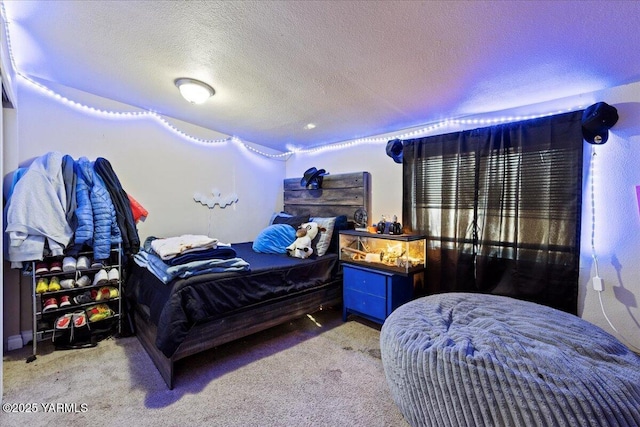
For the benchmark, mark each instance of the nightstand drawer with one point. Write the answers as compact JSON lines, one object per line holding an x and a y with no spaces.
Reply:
{"x":365,"y":282}
{"x":373,"y":293}
{"x":365,"y":303}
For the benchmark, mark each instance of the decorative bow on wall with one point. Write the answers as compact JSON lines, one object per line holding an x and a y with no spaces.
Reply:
{"x":215,"y":199}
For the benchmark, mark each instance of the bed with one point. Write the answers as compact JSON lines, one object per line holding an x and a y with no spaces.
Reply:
{"x":192,"y":314}
{"x":466,"y":359}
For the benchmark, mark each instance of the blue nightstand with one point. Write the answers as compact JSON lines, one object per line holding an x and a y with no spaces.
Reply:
{"x":380,"y":272}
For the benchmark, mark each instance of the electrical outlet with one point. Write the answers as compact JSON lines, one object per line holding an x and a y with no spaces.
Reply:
{"x":598,"y":284}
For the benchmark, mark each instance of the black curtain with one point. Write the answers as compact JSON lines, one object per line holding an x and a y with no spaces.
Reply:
{"x":501,"y":207}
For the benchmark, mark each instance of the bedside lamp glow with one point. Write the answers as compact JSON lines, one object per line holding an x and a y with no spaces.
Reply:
{"x":194,"y":91}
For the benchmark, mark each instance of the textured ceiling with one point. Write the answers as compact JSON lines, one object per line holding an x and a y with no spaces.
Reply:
{"x":354,"y":68}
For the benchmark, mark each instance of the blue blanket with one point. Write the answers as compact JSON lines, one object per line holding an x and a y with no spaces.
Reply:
{"x":167,"y":272}
{"x":175,"y":307}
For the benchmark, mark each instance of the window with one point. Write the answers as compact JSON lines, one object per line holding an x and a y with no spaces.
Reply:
{"x":500,"y":206}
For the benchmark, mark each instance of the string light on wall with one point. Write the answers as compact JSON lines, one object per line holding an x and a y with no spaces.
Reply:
{"x":208,"y":91}
{"x":409,"y":134}
{"x":291,"y":149}
{"x":121,"y":114}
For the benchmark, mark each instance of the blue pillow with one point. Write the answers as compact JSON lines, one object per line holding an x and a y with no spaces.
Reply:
{"x":293,"y":221}
{"x":277,"y":214}
{"x":274,"y":239}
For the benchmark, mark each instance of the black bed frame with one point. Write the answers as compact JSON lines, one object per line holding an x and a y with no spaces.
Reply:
{"x":340,"y":194}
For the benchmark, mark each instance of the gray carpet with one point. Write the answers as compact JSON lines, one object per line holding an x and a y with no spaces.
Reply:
{"x":311,"y":372}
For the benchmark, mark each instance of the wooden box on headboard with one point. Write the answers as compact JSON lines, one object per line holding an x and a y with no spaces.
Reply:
{"x":341,"y":194}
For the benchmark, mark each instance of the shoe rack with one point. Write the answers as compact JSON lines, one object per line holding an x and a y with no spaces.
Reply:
{"x":73,"y":292}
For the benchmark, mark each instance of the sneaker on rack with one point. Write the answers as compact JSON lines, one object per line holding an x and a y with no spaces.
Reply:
{"x":101,"y":277}
{"x":50,"y":304}
{"x":96,"y":263}
{"x":65,"y":301}
{"x":99,"y":312}
{"x":113,"y":292}
{"x":42,"y":286}
{"x":54,"y":284}
{"x":56,"y":267}
{"x":83,"y":298}
{"x":69,"y":264}
{"x":42,"y":268}
{"x":83,"y":263}
{"x":67,"y":283}
{"x":83,"y":281}
{"x":114,"y":276}
{"x":103,"y":293}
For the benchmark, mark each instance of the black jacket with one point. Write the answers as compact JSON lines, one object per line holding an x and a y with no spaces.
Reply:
{"x":124,"y":216}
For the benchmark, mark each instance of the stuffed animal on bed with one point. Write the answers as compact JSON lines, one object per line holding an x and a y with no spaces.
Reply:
{"x":301,"y":247}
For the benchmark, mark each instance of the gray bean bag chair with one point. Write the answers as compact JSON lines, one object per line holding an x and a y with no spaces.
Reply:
{"x":465,"y":359}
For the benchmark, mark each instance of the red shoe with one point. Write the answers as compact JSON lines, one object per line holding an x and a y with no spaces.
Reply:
{"x":42,"y":268}
{"x":56,"y":267}
{"x":64,"y":301}
{"x":50,"y":304}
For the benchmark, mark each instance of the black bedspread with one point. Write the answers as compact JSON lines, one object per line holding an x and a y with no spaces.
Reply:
{"x":177,"y":306}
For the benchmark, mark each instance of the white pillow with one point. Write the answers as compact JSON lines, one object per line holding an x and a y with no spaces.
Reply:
{"x":325,"y":236}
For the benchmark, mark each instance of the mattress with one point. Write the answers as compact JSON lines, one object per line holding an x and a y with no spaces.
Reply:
{"x":177,"y":306}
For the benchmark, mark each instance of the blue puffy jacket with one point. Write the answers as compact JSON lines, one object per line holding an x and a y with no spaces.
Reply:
{"x":97,"y":223}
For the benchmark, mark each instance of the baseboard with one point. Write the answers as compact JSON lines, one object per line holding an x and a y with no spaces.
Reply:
{"x":27,"y":336}
{"x":14,"y":342}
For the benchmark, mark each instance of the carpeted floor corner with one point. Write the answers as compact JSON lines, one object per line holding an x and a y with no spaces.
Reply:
{"x":315,"y":371}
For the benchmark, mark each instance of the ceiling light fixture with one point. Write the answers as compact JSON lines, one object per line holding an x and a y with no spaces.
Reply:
{"x":193,"y":90}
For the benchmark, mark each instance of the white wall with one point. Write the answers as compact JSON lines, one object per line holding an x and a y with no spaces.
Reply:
{"x":617,"y":172}
{"x":386,"y":175}
{"x":157,"y":167}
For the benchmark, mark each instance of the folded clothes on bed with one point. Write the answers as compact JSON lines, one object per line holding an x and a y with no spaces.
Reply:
{"x":221,"y":252}
{"x":170,"y":247}
{"x":166,"y":272}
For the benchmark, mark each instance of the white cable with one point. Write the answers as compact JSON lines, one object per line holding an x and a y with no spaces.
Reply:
{"x":631,"y":346}
{"x":593,"y":251}
{"x":605,"y":314}
{"x":593,"y":212}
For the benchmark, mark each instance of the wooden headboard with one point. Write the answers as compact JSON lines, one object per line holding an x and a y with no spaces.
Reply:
{"x":340,"y":194}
